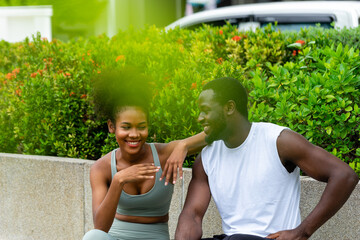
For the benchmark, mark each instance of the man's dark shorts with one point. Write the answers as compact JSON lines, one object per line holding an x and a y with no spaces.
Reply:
{"x":235,"y":237}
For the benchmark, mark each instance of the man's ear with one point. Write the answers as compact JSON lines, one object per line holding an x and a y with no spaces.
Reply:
{"x":230,"y":107}
{"x":111,"y":126}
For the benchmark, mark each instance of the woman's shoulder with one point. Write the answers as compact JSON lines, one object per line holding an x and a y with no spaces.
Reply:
{"x":103,"y":164}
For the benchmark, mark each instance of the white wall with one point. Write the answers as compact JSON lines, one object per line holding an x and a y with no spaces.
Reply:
{"x":17,"y":23}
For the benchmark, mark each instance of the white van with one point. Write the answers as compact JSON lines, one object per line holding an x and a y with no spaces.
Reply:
{"x":288,"y":15}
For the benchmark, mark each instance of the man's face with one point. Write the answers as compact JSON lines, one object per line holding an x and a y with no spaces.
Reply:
{"x":211,"y":116}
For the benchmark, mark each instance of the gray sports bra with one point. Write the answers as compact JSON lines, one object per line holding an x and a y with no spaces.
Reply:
{"x":155,"y":202}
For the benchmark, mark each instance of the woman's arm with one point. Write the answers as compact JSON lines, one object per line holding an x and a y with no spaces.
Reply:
{"x":177,"y":151}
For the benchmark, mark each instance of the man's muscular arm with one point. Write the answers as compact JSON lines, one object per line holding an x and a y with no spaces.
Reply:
{"x":197,"y":201}
{"x":322,"y":166}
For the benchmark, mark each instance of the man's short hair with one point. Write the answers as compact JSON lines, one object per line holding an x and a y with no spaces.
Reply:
{"x":227,"y":88}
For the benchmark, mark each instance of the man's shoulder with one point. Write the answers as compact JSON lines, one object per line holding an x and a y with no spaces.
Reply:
{"x":268,"y":126}
{"x":213,"y":145}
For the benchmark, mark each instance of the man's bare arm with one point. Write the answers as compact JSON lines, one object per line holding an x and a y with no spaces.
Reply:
{"x":197,"y":201}
{"x":322,"y":166}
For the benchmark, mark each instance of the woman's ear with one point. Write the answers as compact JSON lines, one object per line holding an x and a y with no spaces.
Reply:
{"x":230,"y":107}
{"x":111,"y":126}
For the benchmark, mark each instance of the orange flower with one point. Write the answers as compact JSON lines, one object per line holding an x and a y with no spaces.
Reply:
{"x":68,"y":74}
{"x":99,"y":71}
{"x":221,"y":32}
{"x":18,"y":92}
{"x":16,"y":70}
{"x":219,"y":60}
{"x":10,"y":76}
{"x":294,"y":53}
{"x":236,"y":38}
{"x":33,"y":74}
{"x":72,"y":93}
{"x":121,"y":57}
{"x":83,"y":96}
{"x":193,"y":86}
{"x":301,"y":42}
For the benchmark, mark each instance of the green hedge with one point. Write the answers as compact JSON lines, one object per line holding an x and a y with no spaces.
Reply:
{"x":308,"y":81}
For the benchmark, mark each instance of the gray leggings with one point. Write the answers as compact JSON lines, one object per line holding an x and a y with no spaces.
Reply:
{"x":127,"y":231}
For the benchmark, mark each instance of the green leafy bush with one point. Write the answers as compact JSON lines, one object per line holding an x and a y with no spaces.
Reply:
{"x":308,"y":81}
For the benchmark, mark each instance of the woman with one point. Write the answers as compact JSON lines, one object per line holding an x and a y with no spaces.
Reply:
{"x":130,"y":198}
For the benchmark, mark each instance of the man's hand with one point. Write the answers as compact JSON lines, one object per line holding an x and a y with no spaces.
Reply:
{"x":294,"y":234}
{"x":174,"y":163}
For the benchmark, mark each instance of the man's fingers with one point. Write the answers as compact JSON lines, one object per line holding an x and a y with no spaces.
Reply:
{"x":273,"y":235}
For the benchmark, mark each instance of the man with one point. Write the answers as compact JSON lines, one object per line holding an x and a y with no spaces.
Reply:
{"x":252,"y":172}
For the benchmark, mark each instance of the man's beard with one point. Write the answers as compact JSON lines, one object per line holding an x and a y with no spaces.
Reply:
{"x":217,"y":131}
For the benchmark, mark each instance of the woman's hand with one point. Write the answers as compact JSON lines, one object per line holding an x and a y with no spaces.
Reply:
{"x":174,"y":163}
{"x":179,"y":150}
{"x":137,"y":172}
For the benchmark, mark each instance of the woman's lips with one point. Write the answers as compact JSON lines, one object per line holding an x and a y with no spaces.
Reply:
{"x":133,"y":143}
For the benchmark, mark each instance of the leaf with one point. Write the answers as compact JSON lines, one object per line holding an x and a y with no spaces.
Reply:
{"x":349,"y":108}
{"x":328,"y":130}
{"x":329,"y":98}
{"x":294,"y":45}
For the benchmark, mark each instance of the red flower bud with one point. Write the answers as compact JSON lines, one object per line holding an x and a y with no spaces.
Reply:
{"x":236,"y":38}
{"x":193,"y":86}
{"x":121,"y":57}
{"x":301,"y":42}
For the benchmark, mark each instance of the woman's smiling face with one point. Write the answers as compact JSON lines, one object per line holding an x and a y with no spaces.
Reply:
{"x":131,"y":129}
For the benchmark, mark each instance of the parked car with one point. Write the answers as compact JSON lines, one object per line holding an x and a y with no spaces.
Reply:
{"x":288,"y":15}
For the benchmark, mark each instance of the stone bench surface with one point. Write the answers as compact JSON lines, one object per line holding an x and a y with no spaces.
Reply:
{"x":50,"y":198}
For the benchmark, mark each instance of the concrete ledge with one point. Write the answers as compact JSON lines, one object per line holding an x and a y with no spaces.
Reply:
{"x":50,"y":198}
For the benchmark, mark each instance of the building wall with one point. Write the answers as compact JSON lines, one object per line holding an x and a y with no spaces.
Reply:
{"x":17,"y":23}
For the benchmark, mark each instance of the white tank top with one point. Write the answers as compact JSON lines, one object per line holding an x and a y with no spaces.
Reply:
{"x":253,"y":191}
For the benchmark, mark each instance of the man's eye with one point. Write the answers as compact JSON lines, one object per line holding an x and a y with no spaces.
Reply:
{"x":125,"y":127}
{"x":142,"y":127}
